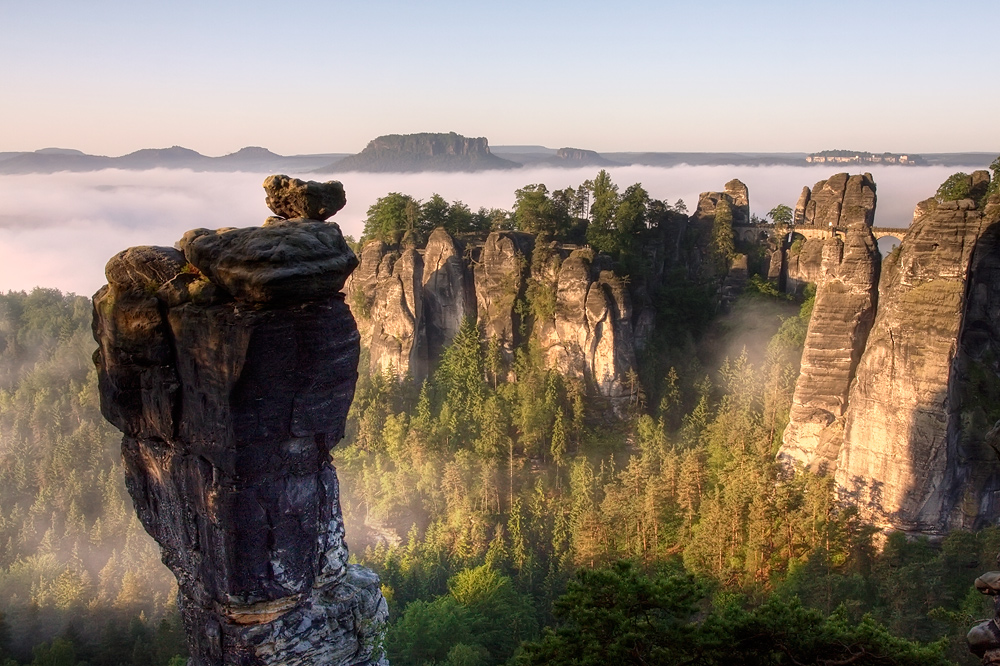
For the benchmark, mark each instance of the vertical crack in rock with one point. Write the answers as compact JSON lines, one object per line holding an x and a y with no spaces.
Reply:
{"x":846,"y":295}
{"x":230,"y":365}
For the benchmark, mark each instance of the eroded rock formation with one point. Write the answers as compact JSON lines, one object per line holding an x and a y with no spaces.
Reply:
{"x":229,"y":365}
{"x":735,"y":194}
{"x":914,"y":456}
{"x":410,"y":310}
{"x":834,"y":203}
{"x":588,"y":334}
{"x":846,"y":280}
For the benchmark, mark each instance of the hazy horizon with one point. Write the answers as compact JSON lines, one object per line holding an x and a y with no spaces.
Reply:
{"x":58,"y":230}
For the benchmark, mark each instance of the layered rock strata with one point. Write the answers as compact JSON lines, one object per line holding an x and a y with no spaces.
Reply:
{"x":914,"y":456}
{"x":230,"y":365}
{"x":846,"y":297}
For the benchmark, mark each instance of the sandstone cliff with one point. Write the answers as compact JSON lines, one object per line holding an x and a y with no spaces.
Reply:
{"x":914,"y":456}
{"x":589,"y":333}
{"x":846,"y":276}
{"x":586,"y":331}
{"x":831,"y":204}
{"x":229,"y":365}
{"x":735,"y":194}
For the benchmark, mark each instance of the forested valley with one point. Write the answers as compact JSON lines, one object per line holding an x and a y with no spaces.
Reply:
{"x":512,"y":515}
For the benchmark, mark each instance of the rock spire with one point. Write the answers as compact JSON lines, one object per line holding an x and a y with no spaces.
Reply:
{"x":846,"y":296}
{"x":229,"y":365}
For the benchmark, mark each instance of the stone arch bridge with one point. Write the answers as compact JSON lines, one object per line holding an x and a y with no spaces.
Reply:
{"x":762,"y":231}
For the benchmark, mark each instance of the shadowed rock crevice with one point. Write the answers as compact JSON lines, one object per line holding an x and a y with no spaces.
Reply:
{"x":230,"y":365}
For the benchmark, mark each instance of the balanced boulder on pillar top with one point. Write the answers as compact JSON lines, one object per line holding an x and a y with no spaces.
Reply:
{"x":229,"y":364}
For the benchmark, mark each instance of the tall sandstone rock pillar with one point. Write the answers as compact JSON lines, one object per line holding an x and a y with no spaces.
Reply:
{"x":915,"y":456}
{"x":846,"y":297}
{"x":230,"y":365}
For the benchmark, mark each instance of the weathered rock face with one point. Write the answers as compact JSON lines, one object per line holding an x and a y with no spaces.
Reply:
{"x":842,"y":317}
{"x":836,"y":203}
{"x":735,"y":194}
{"x":231,"y":387}
{"x":446,"y":292}
{"x":500,"y":279}
{"x":914,"y":456}
{"x":292,"y":198}
{"x":589,"y":335}
{"x":408,"y":315}
{"x":846,"y":297}
{"x":803,"y":263}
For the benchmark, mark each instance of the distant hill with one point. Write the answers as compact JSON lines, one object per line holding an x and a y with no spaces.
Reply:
{"x":53,"y":160}
{"x":415,"y":152}
{"x":422,"y":152}
{"x":540,"y":156}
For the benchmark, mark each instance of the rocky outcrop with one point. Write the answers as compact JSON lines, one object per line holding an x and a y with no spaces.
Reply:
{"x":292,"y":198}
{"x":423,"y":152}
{"x":803,"y":263}
{"x":914,"y":456}
{"x":844,"y":311}
{"x":411,"y":305}
{"x":735,"y":194}
{"x":589,"y":333}
{"x":500,"y":279}
{"x":230,"y":365}
{"x":397,"y":338}
{"x":446,"y":291}
{"x":836,"y":199}
{"x":831,"y":204}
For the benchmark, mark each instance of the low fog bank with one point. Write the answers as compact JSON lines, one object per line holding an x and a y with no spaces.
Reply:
{"x":58,"y":230}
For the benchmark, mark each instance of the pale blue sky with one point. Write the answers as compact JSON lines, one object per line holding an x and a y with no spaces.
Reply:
{"x":111,"y":77}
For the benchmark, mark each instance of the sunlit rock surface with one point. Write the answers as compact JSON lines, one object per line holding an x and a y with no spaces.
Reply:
{"x":837,"y":202}
{"x":927,"y":386}
{"x":846,"y":277}
{"x":230,"y":367}
{"x":411,"y":303}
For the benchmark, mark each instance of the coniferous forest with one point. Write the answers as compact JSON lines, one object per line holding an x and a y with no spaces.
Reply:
{"x":512,"y":516}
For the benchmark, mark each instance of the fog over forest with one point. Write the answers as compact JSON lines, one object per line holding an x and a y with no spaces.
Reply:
{"x":58,"y":230}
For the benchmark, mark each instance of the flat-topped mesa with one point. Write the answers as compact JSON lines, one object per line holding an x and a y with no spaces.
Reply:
{"x":846,"y":279}
{"x":927,"y":389}
{"x":230,"y":365}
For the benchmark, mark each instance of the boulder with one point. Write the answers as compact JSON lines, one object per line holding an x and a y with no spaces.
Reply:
{"x":282,"y":262}
{"x":291,"y":198}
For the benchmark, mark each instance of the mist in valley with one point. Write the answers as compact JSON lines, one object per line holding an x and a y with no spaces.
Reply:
{"x":58,"y":230}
